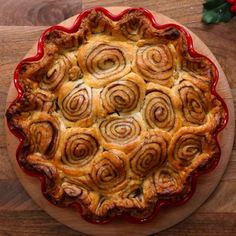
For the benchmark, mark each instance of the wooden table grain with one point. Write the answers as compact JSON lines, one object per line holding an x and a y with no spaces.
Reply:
{"x":21,"y":23}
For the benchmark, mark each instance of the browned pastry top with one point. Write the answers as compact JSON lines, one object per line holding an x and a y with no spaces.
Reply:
{"x":117,"y":115}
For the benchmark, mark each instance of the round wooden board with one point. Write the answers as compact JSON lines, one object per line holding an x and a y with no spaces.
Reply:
{"x":167,"y":217}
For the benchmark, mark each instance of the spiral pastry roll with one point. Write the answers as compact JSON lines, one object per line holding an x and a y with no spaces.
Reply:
{"x":78,"y":147}
{"x":191,"y":147}
{"x":201,"y":82}
{"x":104,"y":62}
{"x":161,"y":108}
{"x":194,"y":103}
{"x":38,"y":162}
{"x":135,"y":27}
{"x":43,"y":132}
{"x":167,"y":181}
{"x":154,"y":62}
{"x":74,"y":188}
{"x":123,"y":96}
{"x":42,"y":100}
{"x":56,"y":74}
{"x":98,"y":23}
{"x":123,"y":133}
{"x":199,"y":66}
{"x":76,"y":104}
{"x":37,"y":100}
{"x":164,"y":183}
{"x":151,"y":154}
{"x":108,"y":173}
{"x":62,"y":69}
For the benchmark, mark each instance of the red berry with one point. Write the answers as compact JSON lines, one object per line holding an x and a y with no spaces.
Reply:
{"x":233,"y":8}
{"x":231,"y":1}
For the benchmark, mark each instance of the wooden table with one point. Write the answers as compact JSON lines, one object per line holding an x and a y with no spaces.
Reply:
{"x":21,"y":23}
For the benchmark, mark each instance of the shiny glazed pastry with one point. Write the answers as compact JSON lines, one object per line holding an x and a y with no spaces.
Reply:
{"x":116,"y":116}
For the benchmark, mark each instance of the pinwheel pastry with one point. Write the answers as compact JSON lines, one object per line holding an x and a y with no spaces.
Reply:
{"x":117,"y":116}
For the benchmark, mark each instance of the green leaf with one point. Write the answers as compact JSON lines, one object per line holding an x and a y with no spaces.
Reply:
{"x":210,"y":17}
{"x":211,"y":4}
{"x":225,"y":13}
{"x":216,"y":11}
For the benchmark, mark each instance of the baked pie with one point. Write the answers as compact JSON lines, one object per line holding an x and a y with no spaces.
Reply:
{"x":118,"y":116}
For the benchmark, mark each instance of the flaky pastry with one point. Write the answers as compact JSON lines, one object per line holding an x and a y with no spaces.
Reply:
{"x":117,"y":116}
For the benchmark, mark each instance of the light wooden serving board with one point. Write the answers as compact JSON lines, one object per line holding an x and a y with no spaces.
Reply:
{"x":167,"y":217}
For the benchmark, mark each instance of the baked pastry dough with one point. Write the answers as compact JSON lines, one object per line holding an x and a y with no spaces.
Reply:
{"x":117,"y":116}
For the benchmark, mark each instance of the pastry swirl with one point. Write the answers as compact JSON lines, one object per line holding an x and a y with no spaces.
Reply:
{"x":109,"y":172}
{"x":155,"y":64}
{"x":80,"y":147}
{"x":123,"y":96}
{"x":189,"y":149}
{"x":43,"y":133}
{"x":77,"y":149}
{"x":193,"y":103}
{"x":98,"y":23}
{"x":74,"y":188}
{"x":39,"y":100}
{"x":159,"y":108}
{"x":135,"y":27}
{"x":64,"y":68}
{"x":104,"y":63}
{"x":120,"y":132}
{"x":38,"y":162}
{"x":197,"y":66}
{"x":55,"y":76}
{"x":150,"y":155}
{"x":76,"y":103}
{"x":167,"y":181}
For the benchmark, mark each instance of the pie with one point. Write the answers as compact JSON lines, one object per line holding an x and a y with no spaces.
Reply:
{"x":117,"y":116}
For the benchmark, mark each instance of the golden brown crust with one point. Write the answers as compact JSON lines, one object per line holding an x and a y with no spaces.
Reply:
{"x":104,"y":61}
{"x":76,"y":104}
{"x":151,"y":154}
{"x":116,"y":115}
{"x":122,"y":133}
{"x":154,"y":62}
{"x":161,"y":109}
{"x":125,"y":96}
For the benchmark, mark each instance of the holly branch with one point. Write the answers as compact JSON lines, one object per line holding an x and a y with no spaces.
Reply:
{"x":216,"y":11}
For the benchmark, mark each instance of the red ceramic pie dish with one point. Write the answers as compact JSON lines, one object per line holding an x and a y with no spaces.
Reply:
{"x":199,"y":171}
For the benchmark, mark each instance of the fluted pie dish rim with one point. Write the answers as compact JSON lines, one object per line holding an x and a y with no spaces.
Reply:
{"x":192,"y":53}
